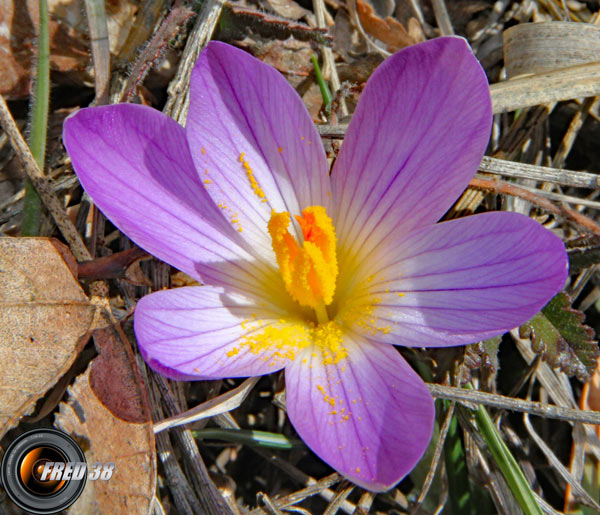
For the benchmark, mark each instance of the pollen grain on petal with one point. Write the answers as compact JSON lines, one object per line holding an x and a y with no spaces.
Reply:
{"x":258,"y":191}
{"x":362,"y":316}
{"x":277,"y":341}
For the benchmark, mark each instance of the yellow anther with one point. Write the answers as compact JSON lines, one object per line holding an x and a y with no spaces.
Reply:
{"x":309,"y":272}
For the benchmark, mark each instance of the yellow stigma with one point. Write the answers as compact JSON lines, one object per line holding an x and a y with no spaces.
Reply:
{"x":309,"y":272}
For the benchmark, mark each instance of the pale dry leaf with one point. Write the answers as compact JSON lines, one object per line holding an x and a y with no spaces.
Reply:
{"x":544,"y":47}
{"x":224,"y":403}
{"x":287,"y":9}
{"x":389,"y":30}
{"x":106,"y":438}
{"x":45,"y":319}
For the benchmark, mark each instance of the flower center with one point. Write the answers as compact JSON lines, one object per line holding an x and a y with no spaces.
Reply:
{"x":308,"y":271}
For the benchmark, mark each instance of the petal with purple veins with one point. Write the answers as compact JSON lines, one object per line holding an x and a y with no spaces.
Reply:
{"x":204,"y":332}
{"x":135,"y":164}
{"x":252,"y":137}
{"x":370,"y":416}
{"x":462,"y":281}
{"x":415,"y":139}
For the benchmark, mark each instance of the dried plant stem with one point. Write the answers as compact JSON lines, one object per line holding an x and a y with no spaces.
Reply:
{"x":500,"y":401}
{"x":564,"y":84}
{"x":553,"y":196}
{"x":211,"y":500}
{"x":145,"y":19}
{"x":168,"y":29}
{"x":178,"y":90}
{"x":500,"y":187}
{"x":505,"y":167}
{"x":539,"y":173}
{"x":41,"y":184}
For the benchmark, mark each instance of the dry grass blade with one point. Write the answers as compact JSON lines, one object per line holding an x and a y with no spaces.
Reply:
{"x":344,"y":491}
{"x":442,"y":17}
{"x":300,"y":495}
{"x":221,"y":404}
{"x":578,"y":490}
{"x":296,"y":474}
{"x":436,"y":459}
{"x":96,"y":16}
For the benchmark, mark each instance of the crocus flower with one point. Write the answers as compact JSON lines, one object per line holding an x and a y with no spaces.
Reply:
{"x":314,"y":273}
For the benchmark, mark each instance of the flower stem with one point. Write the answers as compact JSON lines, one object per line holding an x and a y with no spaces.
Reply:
{"x":321,"y":312}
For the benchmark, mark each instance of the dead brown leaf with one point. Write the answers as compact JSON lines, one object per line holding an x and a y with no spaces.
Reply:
{"x":108,"y":412}
{"x":115,"y":378}
{"x":45,"y":319}
{"x":69,"y":45}
{"x":107,"y":438}
{"x":291,"y":56}
{"x":389,"y":30}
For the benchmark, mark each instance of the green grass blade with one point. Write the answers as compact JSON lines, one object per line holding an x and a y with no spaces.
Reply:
{"x":507,"y":464}
{"x":459,"y":490}
{"x":325,"y":92}
{"x":32,"y":207}
{"x":249,"y":437}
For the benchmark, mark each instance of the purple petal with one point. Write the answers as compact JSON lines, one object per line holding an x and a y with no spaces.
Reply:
{"x":370,"y":416}
{"x":241,"y":105}
{"x":465,"y":280}
{"x":135,"y":164}
{"x":198,"y":332}
{"x":418,"y":133}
